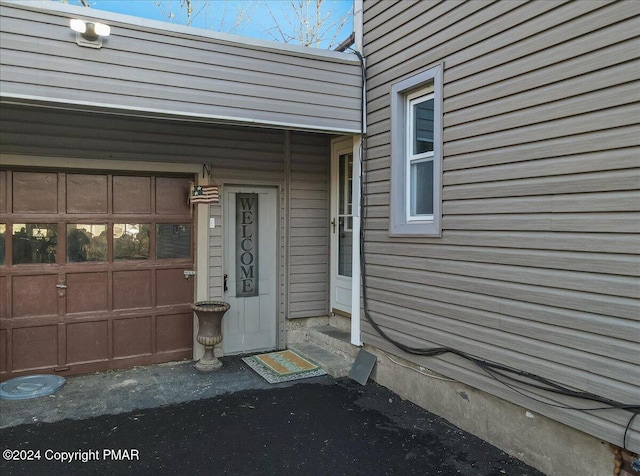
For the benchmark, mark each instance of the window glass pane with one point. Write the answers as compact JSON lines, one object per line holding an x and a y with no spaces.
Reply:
{"x":423,"y":127}
{"x":349,"y":184}
{"x":86,"y":243}
{"x":345,"y":244}
{"x":3,"y":231}
{"x":34,"y":243}
{"x":421,"y":188}
{"x":173,"y":240}
{"x":341,"y":184}
{"x":130,"y":241}
{"x":345,"y":207}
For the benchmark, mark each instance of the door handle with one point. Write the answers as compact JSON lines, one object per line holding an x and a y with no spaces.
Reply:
{"x":61,"y":286}
{"x":225,"y":287}
{"x":333,"y":222}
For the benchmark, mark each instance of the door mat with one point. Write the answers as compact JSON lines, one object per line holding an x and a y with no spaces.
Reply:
{"x":283,"y":366}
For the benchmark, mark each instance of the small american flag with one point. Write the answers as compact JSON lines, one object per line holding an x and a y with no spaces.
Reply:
{"x":204,"y":194}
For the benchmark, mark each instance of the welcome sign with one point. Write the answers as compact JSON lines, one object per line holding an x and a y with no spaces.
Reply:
{"x":246,"y":244}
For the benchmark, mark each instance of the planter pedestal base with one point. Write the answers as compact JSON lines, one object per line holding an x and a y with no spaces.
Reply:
{"x":210,"y":314}
{"x":208,"y":364}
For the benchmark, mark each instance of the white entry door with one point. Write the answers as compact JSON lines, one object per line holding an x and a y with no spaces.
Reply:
{"x":250,"y":266}
{"x":341,"y":231}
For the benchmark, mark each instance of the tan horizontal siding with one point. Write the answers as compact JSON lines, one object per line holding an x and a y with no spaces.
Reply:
{"x":547,"y":113}
{"x":511,"y":41}
{"x":602,"y":263}
{"x":589,"y":162}
{"x":609,"y":181}
{"x":608,"y":423}
{"x":556,"y":279}
{"x":485,"y":341}
{"x":140,"y":69}
{"x":538,"y":266}
{"x":308,"y":221}
{"x":554,"y":241}
{"x":576,"y":202}
{"x":542,"y":88}
{"x":32,"y":131}
{"x":583,"y":40}
{"x":423,"y":281}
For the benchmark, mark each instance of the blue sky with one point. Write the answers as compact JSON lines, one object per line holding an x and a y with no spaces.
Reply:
{"x":220,"y":15}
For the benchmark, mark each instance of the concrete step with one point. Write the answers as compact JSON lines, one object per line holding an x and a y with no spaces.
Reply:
{"x":333,"y":339}
{"x":335,"y":365}
{"x":329,"y":347}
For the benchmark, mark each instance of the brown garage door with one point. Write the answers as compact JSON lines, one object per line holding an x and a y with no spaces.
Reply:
{"x":92,"y":271}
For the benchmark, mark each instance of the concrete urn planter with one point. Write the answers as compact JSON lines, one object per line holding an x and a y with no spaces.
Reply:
{"x":209,"y":315}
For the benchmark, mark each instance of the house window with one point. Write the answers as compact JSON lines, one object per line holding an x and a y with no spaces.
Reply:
{"x":416,"y":154}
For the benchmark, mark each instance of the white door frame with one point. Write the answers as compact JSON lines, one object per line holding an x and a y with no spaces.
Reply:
{"x":342,"y":146}
{"x":355,"y":249}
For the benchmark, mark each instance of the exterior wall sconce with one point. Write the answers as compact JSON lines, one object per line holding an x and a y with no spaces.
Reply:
{"x":89,"y":34}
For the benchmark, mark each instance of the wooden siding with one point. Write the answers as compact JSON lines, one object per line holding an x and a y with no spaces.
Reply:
{"x":538,"y":266}
{"x":154,"y":68}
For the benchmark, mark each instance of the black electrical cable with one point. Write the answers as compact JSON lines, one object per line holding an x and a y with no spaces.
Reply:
{"x":626,"y":430}
{"x":494,"y":370}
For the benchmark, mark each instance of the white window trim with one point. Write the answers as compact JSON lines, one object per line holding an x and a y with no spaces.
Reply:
{"x":401,"y":223}
{"x":411,"y":158}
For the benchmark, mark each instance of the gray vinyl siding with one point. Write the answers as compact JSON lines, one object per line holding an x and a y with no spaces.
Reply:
{"x":50,"y":132}
{"x":538,"y":266}
{"x":309,"y":226}
{"x":164,"y":69}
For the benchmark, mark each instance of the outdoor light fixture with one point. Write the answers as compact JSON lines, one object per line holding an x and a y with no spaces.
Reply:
{"x":88,"y":33}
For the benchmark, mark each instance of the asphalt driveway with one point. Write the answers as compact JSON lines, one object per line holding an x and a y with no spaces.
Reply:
{"x":316,"y":426}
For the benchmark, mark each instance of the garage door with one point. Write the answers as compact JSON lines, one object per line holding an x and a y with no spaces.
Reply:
{"x":92,"y":271}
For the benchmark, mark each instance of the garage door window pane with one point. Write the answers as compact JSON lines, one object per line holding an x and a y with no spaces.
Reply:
{"x":130,"y":241}
{"x":173,"y":240}
{"x":86,"y":243}
{"x":34,"y":243}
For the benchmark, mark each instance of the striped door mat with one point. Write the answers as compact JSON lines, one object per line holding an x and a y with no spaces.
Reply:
{"x":283,"y":366}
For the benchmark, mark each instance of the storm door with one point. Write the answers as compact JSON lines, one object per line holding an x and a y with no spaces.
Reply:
{"x":341,"y":226}
{"x":250,"y":266}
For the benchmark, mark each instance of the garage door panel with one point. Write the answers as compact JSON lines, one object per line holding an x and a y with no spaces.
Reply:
{"x":35,"y":295}
{"x":131,"y":289}
{"x":3,"y":350}
{"x":95,"y":278}
{"x":87,"y":341}
{"x":3,"y":297}
{"x":87,"y":292}
{"x":174,"y":332}
{"x":132,"y":337}
{"x":172,"y":288}
{"x":171,"y":196}
{"x":35,"y":192}
{"x":87,"y":193}
{"x":131,"y":195}
{"x":3,"y":191}
{"x":34,"y":347}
